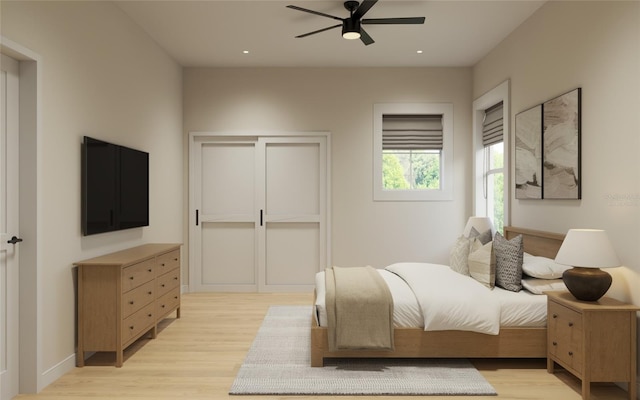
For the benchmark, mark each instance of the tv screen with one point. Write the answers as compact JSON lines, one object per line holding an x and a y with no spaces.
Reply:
{"x":115,"y":187}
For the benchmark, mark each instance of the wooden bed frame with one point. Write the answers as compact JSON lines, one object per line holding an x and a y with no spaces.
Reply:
{"x":417,"y":343}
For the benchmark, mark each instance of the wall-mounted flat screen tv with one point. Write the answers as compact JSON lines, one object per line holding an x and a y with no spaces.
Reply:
{"x":115,"y":187}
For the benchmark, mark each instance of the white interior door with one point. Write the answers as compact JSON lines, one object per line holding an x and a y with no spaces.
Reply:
{"x":8,"y":228}
{"x":293,"y":200}
{"x":259,"y":209}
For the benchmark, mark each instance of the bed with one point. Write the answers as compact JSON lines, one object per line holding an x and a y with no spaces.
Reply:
{"x":415,"y":342}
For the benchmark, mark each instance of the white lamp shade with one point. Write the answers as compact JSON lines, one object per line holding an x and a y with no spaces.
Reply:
{"x":587,"y":248}
{"x":480,"y":223}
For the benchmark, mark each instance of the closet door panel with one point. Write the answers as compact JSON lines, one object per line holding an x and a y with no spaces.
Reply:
{"x":292,"y":253}
{"x":225,"y":258}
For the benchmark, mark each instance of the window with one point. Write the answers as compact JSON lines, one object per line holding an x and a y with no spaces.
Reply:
{"x":413,"y":151}
{"x":490,"y":168}
{"x":493,"y":171}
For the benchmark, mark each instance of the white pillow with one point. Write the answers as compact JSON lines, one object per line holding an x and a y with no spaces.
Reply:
{"x":539,"y":286}
{"x":542,"y":267}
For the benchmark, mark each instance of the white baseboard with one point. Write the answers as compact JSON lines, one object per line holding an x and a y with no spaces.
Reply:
{"x":57,"y":371}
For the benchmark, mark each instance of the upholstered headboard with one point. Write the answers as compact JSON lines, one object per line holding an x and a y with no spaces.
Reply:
{"x":538,"y":243}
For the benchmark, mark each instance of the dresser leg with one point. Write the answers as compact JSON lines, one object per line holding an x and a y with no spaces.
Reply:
{"x":119,"y":358}
{"x":632,"y":387}
{"x":80,"y":358}
{"x":550,"y":365}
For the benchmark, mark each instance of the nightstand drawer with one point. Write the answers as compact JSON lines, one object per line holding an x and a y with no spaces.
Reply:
{"x":565,"y":335}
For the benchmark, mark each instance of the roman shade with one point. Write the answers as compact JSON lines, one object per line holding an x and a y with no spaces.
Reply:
{"x":492,"y":125}
{"x":412,"y":132}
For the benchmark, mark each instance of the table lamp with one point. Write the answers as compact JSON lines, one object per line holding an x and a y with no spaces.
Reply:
{"x":587,"y":250}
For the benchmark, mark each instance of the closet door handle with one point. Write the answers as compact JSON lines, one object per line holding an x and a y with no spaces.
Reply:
{"x":261,"y":211}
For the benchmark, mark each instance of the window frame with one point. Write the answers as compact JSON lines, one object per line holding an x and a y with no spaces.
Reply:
{"x":445,"y":192}
{"x":492,"y":97}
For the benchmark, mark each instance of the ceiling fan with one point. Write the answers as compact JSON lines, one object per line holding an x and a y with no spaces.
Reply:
{"x":352,"y":25}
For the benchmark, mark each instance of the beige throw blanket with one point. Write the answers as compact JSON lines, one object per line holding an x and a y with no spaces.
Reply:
{"x":359,"y":309}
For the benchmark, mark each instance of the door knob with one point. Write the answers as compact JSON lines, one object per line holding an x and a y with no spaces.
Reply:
{"x":14,"y":240}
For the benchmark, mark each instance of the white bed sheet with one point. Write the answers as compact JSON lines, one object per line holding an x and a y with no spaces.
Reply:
{"x":517,"y":309}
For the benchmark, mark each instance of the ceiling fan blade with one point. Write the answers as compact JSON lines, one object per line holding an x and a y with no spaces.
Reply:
{"x":318,"y":31}
{"x":364,"y":36}
{"x":363,"y":8}
{"x":390,"y":21}
{"x":314,"y":12}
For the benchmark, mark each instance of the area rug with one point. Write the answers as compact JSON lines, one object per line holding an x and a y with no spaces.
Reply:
{"x":278,"y":363}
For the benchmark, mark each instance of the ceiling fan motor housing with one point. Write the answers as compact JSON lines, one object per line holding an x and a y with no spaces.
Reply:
{"x":351,"y":28}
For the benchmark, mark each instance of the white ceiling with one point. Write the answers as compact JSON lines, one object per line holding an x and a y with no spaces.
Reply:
{"x":214,"y":33}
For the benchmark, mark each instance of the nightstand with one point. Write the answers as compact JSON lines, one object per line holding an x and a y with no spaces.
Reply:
{"x":595,"y":341}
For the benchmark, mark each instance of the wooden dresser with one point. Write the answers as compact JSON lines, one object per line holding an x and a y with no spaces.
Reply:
{"x":595,"y":341}
{"x":122,"y":296}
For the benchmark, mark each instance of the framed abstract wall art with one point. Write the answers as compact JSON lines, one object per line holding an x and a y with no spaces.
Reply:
{"x":561,"y":126}
{"x":528,"y":155}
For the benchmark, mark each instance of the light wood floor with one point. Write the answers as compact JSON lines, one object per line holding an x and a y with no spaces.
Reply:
{"x":198,"y":355}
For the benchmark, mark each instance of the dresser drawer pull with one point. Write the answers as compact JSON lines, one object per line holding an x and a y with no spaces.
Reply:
{"x":162,"y":306}
{"x":131,"y":278}
{"x":149,"y":270}
{"x":175,"y":297}
{"x":131,"y":327}
{"x":131,"y":302}
{"x":175,"y":259}
{"x":162,"y":285}
{"x":555,"y":343}
{"x":555,"y":315}
{"x":149,"y":315}
{"x":570,"y":323}
{"x":149,"y":292}
{"x":571,"y":353}
{"x":175,"y":278}
{"x":162,"y":264}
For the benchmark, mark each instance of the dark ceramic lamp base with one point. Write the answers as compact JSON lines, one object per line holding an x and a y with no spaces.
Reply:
{"x":587,"y":284}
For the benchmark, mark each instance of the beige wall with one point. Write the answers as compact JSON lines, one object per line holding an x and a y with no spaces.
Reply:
{"x":100,"y":76}
{"x":341,"y":101}
{"x":595,"y":46}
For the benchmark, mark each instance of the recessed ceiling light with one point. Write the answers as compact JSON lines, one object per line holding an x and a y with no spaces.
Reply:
{"x":245,"y":51}
{"x":419,"y":51}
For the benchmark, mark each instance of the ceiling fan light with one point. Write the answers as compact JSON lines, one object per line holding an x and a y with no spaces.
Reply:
{"x":351,"y":35}
{"x":351,"y":29}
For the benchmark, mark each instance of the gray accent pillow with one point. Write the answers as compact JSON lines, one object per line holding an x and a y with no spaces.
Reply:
{"x":508,"y":262}
{"x":484,"y":237}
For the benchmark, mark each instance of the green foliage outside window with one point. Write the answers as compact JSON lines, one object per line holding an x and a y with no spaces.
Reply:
{"x":411,"y":170}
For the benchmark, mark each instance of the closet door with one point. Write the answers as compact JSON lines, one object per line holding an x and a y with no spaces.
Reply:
{"x":259,"y":209}
{"x":293,"y":232}
{"x":223,"y":240}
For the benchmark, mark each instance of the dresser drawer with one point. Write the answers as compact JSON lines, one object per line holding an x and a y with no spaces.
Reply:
{"x":138,"y":322}
{"x":137,"y":274}
{"x":167,"y":303}
{"x":167,"y":282}
{"x":168,"y":261}
{"x":137,"y":298}
{"x":566,"y":336}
